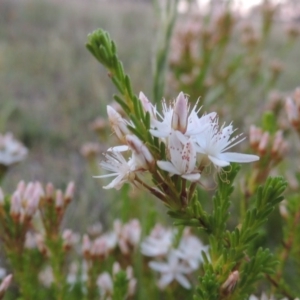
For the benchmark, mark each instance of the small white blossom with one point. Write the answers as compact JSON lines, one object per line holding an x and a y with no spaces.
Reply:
{"x":171,"y":270}
{"x":214,"y":142}
{"x":183,"y":159}
{"x":190,"y":250}
{"x":11,"y":150}
{"x":122,"y":169}
{"x":158,"y":243}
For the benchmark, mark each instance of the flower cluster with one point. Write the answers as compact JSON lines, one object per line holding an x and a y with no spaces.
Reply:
{"x":123,"y":236}
{"x":11,"y":150}
{"x":191,"y":143}
{"x":174,"y":263}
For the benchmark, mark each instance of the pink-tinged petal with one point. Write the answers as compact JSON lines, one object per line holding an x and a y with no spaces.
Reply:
{"x":183,"y":281}
{"x":188,"y":157}
{"x":238,"y":157}
{"x":180,"y":114}
{"x":218,"y":162}
{"x":167,"y":166}
{"x":191,"y":177}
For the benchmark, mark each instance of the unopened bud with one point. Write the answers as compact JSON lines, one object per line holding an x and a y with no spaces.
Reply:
{"x":180,"y":113}
{"x":15,"y":205}
{"x":59,"y":200}
{"x":28,"y":191}
{"x":50,"y":192}
{"x":141,"y":153}
{"x":32,"y":205}
{"x":132,"y":287}
{"x":86,"y":246}
{"x":117,"y":123}
{"x":41,"y":244}
{"x":148,"y":107}
{"x":21,"y":187}
{"x":230,"y":283}
{"x":296,"y":96}
{"x":292,"y":113}
{"x":116,"y":268}
{"x":70,"y":192}
{"x":263,"y":145}
{"x":68,"y":238}
{"x":5,"y":284}
{"x":254,"y":136}
{"x":279,"y":147}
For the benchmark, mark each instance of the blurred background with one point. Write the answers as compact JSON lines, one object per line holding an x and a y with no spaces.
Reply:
{"x":52,"y":89}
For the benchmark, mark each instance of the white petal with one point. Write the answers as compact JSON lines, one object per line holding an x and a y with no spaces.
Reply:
{"x":159,"y":133}
{"x":121,"y":148}
{"x":218,"y":162}
{"x":191,"y":177}
{"x":165,"y":280}
{"x":183,"y":281}
{"x":167,"y":166}
{"x":160,"y":267}
{"x":238,"y":157}
{"x":116,"y":183}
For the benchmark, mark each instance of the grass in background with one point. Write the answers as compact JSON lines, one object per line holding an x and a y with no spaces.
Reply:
{"x":56,"y":88}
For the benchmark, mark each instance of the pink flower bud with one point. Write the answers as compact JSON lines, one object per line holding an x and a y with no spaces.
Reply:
{"x":117,"y":123}
{"x":116,"y":268}
{"x":254,"y":136}
{"x":86,"y":246}
{"x":32,"y":205}
{"x":143,"y":157}
{"x":229,"y":285}
{"x":59,"y":200}
{"x":148,"y":107}
{"x":70,"y":192}
{"x":15,"y":205}
{"x":50,"y":192}
{"x":5,"y":284}
{"x":21,"y":187}
{"x":28,"y":193}
{"x":263,"y":145}
{"x":292,"y":112}
{"x":180,"y":113}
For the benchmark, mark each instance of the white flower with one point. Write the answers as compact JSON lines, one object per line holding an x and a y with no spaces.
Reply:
{"x":123,"y":170}
{"x":158,"y":242}
{"x":11,"y":150}
{"x":171,"y":270}
{"x":183,"y":159}
{"x":214,"y":141}
{"x":189,"y":250}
